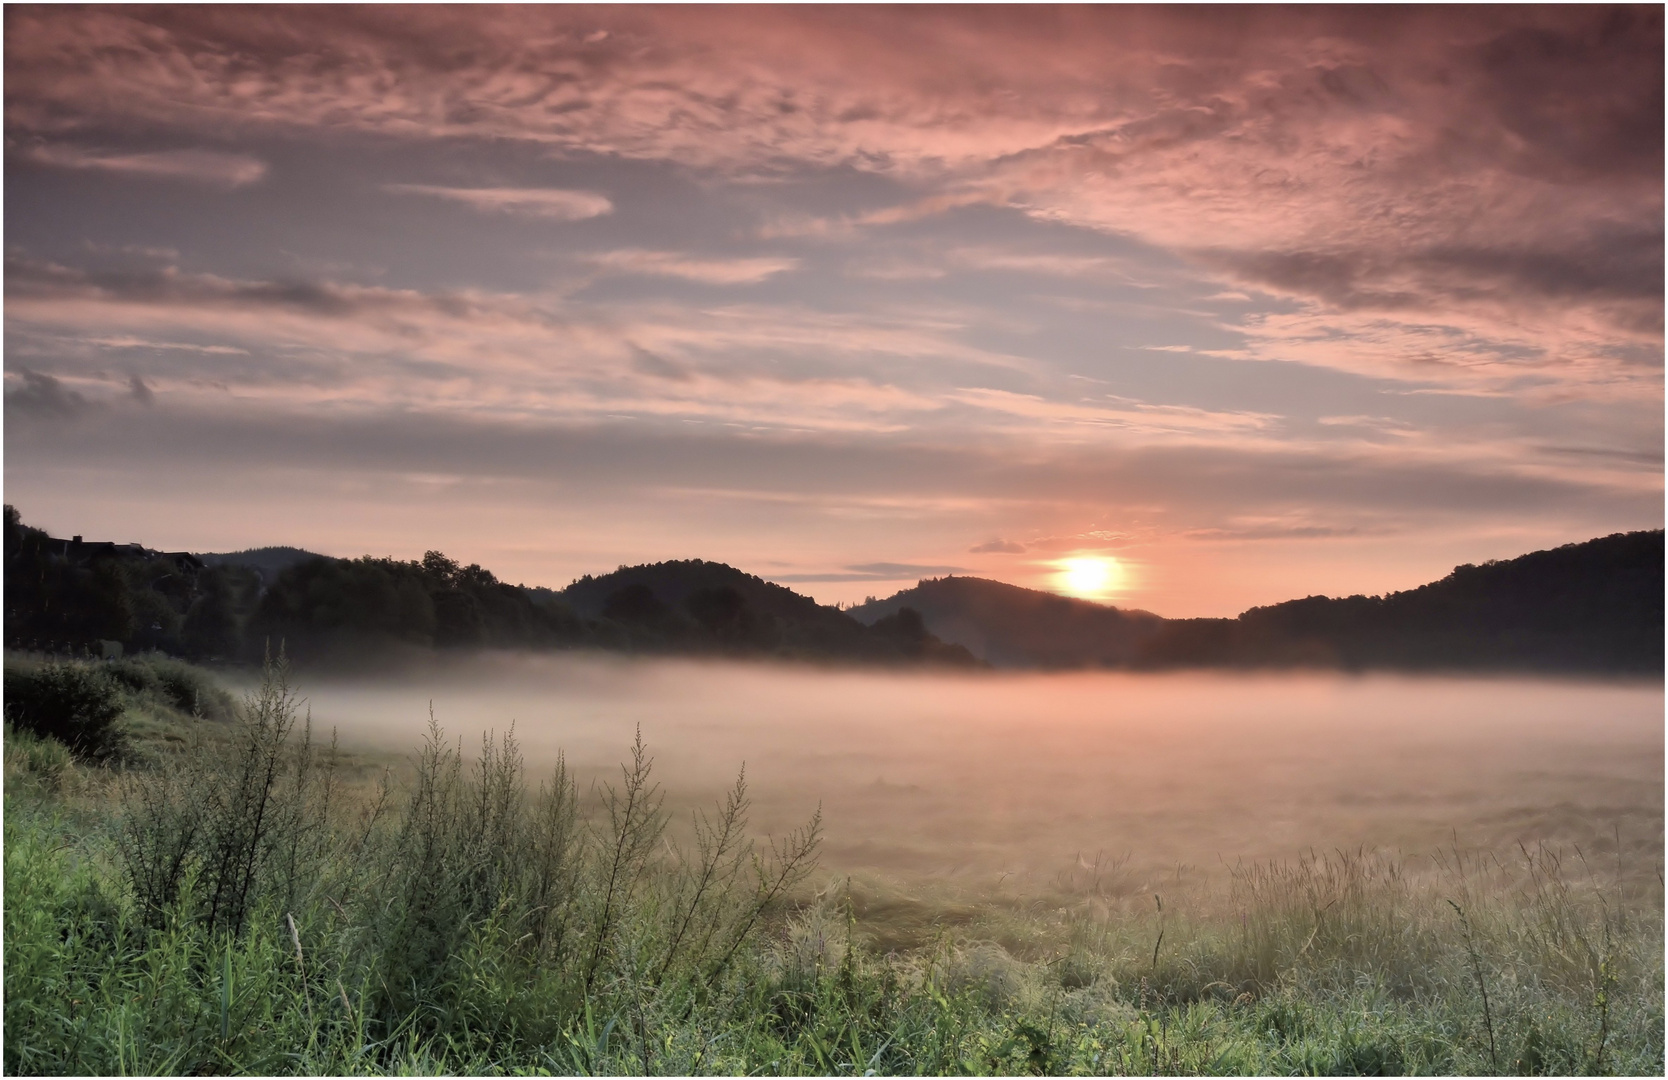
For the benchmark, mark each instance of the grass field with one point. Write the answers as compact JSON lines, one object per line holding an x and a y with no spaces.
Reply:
{"x":230,"y":896}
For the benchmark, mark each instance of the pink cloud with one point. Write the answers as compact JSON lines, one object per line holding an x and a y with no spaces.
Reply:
{"x":202,"y":166}
{"x":1121,"y":414}
{"x":552,"y":203}
{"x":738,"y":271}
{"x":1494,"y":170}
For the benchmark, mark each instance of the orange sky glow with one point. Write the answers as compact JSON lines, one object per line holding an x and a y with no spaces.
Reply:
{"x":1184,"y":309}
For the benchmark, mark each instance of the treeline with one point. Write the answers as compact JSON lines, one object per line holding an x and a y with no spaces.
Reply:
{"x":323,"y":607}
{"x":66,"y":596}
{"x":1594,"y":606}
{"x":1013,"y":627}
{"x":691,"y":605}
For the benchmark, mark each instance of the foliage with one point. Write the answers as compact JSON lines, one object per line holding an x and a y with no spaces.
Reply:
{"x":1346,"y":967}
{"x":76,"y":704}
{"x":240,"y":910}
{"x":695,"y":606}
{"x":173,"y":684}
{"x":214,"y":833}
{"x":322,"y":605}
{"x":60,"y":598}
{"x":1595,"y":606}
{"x":32,"y":758}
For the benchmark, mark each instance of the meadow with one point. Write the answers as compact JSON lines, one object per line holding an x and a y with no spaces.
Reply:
{"x":1008,"y":874}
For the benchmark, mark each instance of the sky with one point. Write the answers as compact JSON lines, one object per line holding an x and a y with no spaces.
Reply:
{"x":1188,"y":308}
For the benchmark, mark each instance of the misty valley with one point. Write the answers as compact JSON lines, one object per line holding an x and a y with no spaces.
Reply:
{"x":459,"y":859}
{"x":960,"y":781}
{"x":373,"y":815}
{"x":833,"y":540}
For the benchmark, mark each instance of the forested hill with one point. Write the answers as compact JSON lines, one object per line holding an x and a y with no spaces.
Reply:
{"x":1009,"y":626}
{"x":74,"y":596}
{"x":694,"y":605}
{"x":1590,"y":607}
{"x":1595,"y":606}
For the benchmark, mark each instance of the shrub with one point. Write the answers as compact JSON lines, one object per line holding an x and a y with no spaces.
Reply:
{"x":240,"y":821}
{"x":76,"y":704}
{"x":175,"y":683}
{"x":32,"y":755}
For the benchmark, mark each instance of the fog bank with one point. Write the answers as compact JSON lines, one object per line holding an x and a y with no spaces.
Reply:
{"x":983,"y":778}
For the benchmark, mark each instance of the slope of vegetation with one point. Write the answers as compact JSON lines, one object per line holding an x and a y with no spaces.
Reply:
{"x":62,"y":596}
{"x":692,"y":605}
{"x":67,"y":597}
{"x":241,"y":901}
{"x":1014,"y":627}
{"x":340,"y":609}
{"x":1595,"y":606}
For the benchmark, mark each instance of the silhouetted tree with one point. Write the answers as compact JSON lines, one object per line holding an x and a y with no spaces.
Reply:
{"x":636,"y":604}
{"x":722,"y":612}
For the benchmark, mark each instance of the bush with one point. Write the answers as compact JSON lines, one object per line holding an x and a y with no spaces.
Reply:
{"x":470,"y":906}
{"x":232,"y":824}
{"x":76,"y":704}
{"x":28,"y":754}
{"x":174,"y":683}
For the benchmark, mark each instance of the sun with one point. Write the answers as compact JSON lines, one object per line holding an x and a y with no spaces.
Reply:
{"x":1090,"y":578}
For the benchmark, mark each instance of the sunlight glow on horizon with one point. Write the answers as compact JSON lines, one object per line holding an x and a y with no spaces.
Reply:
{"x":982,"y":302}
{"x":1090,"y":577}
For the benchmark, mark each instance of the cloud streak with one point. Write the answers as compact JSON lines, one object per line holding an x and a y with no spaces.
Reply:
{"x":743,"y":271}
{"x":1448,"y":165}
{"x":912,"y":285}
{"x":550,"y":203}
{"x":200,"y":166}
{"x":1324,"y":142}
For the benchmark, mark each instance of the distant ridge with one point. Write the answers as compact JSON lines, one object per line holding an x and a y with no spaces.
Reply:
{"x":1592,"y":607}
{"x":1595,"y":606}
{"x":692,"y":600}
{"x":70,"y":596}
{"x":1009,"y":626}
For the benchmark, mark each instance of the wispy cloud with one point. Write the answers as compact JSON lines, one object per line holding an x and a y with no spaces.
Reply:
{"x":180,"y":346}
{"x":555,"y":204}
{"x":1121,"y":413}
{"x":1450,"y":165}
{"x":735,"y":271}
{"x":202,"y":166}
{"x":882,"y":279}
{"x":1387,"y":424}
{"x":880,"y":571}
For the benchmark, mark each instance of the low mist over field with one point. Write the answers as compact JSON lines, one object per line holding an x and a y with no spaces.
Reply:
{"x":1164,"y":503}
{"x":1015,"y":779}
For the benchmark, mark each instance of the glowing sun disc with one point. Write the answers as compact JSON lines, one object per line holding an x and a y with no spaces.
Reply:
{"x":1089,"y":577}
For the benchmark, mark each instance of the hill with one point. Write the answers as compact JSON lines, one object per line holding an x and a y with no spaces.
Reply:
{"x":75,"y":596}
{"x":1009,"y":626}
{"x":695,"y":605}
{"x":1590,"y":607}
{"x":1594,"y":606}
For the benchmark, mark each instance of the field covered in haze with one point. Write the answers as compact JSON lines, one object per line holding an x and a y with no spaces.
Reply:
{"x":978,"y":777}
{"x":1056,"y":873}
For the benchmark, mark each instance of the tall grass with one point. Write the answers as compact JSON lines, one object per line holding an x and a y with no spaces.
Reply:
{"x":235,"y":907}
